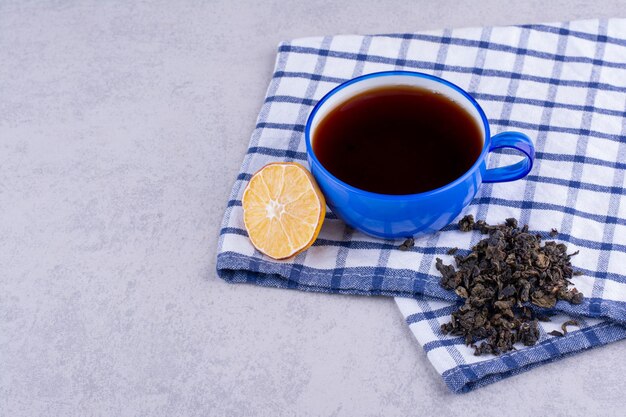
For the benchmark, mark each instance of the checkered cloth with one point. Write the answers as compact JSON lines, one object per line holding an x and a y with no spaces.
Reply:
{"x":564,"y":85}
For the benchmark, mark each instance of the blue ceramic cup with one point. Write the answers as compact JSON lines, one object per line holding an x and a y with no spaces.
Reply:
{"x":401,"y":216}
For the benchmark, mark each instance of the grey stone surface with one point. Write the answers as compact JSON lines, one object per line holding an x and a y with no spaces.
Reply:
{"x":122,"y":127}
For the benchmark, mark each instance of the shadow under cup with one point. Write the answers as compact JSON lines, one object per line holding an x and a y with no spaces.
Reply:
{"x":400,"y":216}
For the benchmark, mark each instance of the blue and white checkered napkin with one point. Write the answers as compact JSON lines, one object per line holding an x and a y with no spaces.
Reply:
{"x":562,"y":84}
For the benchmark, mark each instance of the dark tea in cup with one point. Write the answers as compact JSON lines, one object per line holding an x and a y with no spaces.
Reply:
{"x":402,"y":153}
{"x":398,"y":139}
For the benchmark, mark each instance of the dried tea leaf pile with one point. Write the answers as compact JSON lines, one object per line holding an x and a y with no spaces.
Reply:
{"x":502,"y":274}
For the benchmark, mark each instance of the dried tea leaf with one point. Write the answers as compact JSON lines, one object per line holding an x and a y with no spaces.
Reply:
{"x":461,"y":292}
{"x":499,"y":279}
{"x":511,"y":222}
{"x":407,"y":244}
{"x":556,"y":333}
{"x":543,"y":300}
{"x":466,"y":224}
{"x":543,"y":318}
{"x":452,"y":251}
{"x":569,"y":323}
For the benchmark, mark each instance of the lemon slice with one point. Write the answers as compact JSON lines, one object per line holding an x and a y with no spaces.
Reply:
{"x":283,"y":209}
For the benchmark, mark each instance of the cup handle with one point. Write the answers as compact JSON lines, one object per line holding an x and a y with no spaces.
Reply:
{"x":513,"y":140}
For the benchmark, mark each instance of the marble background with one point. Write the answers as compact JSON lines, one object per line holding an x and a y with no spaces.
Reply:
{"x":122,"y":127}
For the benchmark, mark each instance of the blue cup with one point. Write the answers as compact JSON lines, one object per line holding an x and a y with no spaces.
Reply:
{"x":400,"y":216}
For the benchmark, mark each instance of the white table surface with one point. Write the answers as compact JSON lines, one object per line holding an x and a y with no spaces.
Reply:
{"x":122,"y":128}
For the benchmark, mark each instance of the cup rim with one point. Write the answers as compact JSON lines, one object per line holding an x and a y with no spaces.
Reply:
{"x":462,"y":178}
